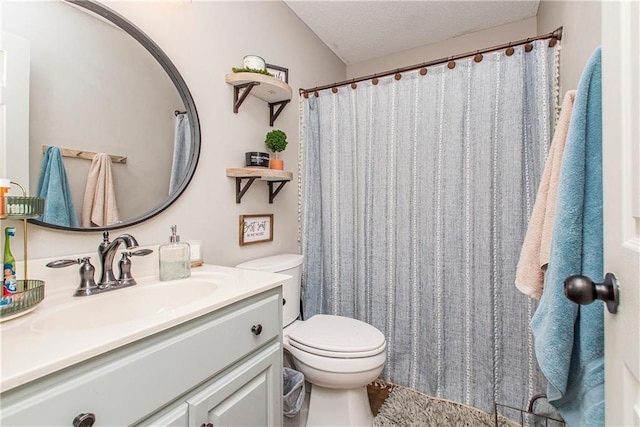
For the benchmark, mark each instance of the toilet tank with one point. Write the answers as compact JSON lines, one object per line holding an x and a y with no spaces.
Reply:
{"x":290,"y":264}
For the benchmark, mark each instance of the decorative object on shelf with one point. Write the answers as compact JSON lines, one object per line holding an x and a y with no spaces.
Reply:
{"x":276,"y":141}
{"x":256,"y":158}
{"x":279,"y":73}
{"x":272,"y":177}
{"x":251,"y":70}
{"x":256,"y":229}
{"x":253,"y":61}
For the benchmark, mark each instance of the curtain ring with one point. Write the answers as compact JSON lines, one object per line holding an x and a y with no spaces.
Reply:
{"x":451,"y":65}
{"x":398,"y":76}
{"x":423,"y":71}
{"x":553,"y":42}
{"x":334,"y":89}
{"x":509,"y":51}
{"x":478,"y":57}
{"x":353,"y":85}
{"x":374,"y":80}
{"x":315,"y":93}
{"x":528,"y":47}
{"x":306,"y":95}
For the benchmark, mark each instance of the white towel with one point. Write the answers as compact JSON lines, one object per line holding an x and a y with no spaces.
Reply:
{"x":536,"y":248}
{"x":100,"y":207}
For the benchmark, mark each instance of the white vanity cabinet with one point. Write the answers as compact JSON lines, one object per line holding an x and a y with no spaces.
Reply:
{"x":223,"y":368}
{"x":245,"y":396}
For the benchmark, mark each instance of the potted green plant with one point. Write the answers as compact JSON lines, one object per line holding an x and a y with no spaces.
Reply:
{"x":276,"y":141}
{"x":251,"y":70}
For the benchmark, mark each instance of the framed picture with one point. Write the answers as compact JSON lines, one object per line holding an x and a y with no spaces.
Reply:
{"x":256,"y":229}
{"x":279,"y":73}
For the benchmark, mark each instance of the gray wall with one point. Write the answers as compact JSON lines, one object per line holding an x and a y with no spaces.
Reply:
{"x":581,"y":22}
{"x":581,"y":35}
{"x":457,"y":45}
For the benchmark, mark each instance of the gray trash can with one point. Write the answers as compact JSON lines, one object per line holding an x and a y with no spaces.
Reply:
{"x":292,"y":392}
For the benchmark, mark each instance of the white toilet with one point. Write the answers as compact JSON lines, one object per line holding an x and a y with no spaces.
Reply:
{"x":339,"y":356}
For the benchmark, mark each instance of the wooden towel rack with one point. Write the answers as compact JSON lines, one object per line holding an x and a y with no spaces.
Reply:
{"x":88,"y":155}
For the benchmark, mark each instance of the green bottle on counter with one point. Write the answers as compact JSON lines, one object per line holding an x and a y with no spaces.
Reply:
{"x":10,"y":282}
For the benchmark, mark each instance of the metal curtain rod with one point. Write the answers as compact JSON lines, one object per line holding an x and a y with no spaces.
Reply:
{"x":556,"y":35}
{"x":178,"y":112}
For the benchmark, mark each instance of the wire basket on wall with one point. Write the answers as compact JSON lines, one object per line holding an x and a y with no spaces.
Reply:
{"x":527,"y":417}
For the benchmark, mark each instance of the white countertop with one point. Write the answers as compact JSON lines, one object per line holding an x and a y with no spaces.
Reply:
{"x":55,"y":335}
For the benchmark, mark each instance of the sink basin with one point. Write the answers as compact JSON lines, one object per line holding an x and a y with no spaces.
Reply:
{"x":124,"y":305}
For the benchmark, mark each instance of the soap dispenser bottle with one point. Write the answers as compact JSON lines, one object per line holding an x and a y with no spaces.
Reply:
{"x":174,"y":257}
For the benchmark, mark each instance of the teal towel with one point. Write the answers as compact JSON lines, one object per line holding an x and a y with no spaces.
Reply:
{"x":53,"y":185}
{"x":569,"y":338}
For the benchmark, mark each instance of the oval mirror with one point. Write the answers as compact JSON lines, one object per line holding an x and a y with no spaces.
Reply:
{"x":98,"y":84}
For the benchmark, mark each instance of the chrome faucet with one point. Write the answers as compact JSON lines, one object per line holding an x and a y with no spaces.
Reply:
{"x":107,"y":251}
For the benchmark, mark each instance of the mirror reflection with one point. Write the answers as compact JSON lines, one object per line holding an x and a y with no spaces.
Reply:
{"x":96,"y":93}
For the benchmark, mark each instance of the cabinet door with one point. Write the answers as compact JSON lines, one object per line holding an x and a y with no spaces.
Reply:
{"x":249,"y":395}
{"x":176,"y":417}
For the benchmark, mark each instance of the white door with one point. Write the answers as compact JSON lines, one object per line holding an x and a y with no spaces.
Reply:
{"x":621,"y":158}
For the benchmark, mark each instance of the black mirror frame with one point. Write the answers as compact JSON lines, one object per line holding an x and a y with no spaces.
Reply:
{"x":185,"y":95}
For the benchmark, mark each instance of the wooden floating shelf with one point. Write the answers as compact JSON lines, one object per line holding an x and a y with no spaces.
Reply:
{"x":273,"y":91}
{"x":276,"y":179}
{"x":263,"y":174}
{"x":269,"y":89}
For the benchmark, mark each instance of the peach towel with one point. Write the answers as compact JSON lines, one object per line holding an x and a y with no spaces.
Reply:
{"x":536,"y":248}
{"x":99,"y":207}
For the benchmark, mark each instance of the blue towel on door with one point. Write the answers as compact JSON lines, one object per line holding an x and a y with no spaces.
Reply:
{"x":53,"y":185}
{"x":569,"y":338}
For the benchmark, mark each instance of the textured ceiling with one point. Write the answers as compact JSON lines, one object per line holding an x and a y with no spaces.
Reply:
{"x":357,"y":31}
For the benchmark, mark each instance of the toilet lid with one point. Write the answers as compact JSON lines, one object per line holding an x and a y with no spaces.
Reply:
{"x":337,"y":336}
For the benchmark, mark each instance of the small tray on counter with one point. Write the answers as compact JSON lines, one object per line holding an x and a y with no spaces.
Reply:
{"x":30,"y":294}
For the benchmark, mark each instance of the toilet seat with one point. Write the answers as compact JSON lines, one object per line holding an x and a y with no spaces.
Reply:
{"x":337,"y":337}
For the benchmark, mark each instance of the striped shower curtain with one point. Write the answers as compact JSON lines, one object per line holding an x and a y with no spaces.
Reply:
{"x":414,"y":200}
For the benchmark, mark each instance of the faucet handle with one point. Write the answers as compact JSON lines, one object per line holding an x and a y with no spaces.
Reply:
{"x":140,"y":252}
{"x":126,"y":279}
{"x":87,"y":284}
{"x":63,"y":263}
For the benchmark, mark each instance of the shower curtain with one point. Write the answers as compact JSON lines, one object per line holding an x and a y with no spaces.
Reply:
{"x":414,"y":200}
